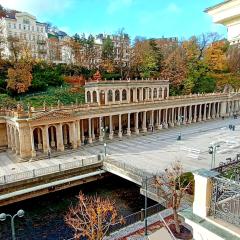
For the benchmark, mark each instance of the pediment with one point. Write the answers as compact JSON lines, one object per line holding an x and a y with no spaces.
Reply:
{"x":52,"y":115}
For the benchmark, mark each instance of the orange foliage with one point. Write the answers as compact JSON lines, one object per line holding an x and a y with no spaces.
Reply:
{"x":75,"y":80}
{"x":215,"y":56}
{"x":19,"y":77}
{"x":91,"y":217}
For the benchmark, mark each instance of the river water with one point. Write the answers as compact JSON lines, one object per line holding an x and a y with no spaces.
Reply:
{"x":44,"y":216}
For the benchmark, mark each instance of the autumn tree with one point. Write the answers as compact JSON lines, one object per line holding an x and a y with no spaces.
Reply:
{"x":144,"y":61}
{"x":215,"y":56}
{"x":172,"y":187}
{"x":19,"y":77}
{"x":91,"y":217}
{"x":175,"y":69}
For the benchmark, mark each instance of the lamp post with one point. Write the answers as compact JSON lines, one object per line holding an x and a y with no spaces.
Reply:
{"x":212,"y":150}
{"x":145,"y":219}
{"x":3,"y":216}
{"x":104,"y":130}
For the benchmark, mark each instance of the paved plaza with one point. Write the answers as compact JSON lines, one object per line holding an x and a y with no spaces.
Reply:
{"x":153,"y":152}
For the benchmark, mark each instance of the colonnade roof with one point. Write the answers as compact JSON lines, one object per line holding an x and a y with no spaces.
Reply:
{"x":94,"y":109}
{"x":126,"y":82}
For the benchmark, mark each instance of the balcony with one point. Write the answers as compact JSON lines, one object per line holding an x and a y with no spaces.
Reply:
{"x":41,"y":42}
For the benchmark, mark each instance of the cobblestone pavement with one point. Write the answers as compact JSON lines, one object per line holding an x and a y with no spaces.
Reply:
{"x":153,"y":151}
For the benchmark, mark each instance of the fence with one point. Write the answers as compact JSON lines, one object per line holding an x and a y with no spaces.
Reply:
{"x":136,"y":171}
{"x":225,"y":202}
{"x":47,"y":170}
{"x":135,"y":217}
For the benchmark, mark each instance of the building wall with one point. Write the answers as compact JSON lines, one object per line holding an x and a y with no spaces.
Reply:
{"x":30,"y":32}
{"x":3,"y":134}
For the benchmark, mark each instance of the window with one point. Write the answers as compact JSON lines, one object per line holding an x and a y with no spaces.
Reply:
{"x":9,"y":25}
{"x":33,"y":37}
{"x":19,"y":25}
{"x":37,"y":29}
{"x":14,"y":25}
{"x":33,"y":28}
{"x":28,"y":28}
{"x":24,"y":27}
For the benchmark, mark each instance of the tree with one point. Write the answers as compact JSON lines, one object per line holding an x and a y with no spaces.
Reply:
{"x":107,"y":54}
{"x":122,"y":50}
{"x":19,"y":77}
{"x":14,"y":47}
{"x":175,"y":67}
{"x":91,"y":217}
{"x":233,"y":59}
{"x":172,"y":187}
{"x":144,"y":62}
{"x":215,"y":56}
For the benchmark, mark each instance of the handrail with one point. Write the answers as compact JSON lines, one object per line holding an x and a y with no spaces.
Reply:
{"x":11,"y":178}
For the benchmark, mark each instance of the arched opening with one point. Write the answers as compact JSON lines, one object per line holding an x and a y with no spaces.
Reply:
{"x":155,"y":93}
{"x":150,"y":93}
{"x":110,"y":96}
{"x":102,"y":97}
{"x":88,"y":96}
{"x":131,"y":95}
{"x":38,"y":139}
{"x":144,"y":94}
{"x":66,"y":136}
{"x":160,"y":93}
{"x":94,"y":96}
{"x":165,"y":93}
{"x":117,"y":95}
{"x":52,"y":137}
{"x":124,"y":95}
{"x":138,"y":94}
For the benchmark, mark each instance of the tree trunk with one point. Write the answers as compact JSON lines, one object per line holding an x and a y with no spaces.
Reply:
{"x":175,"y":216}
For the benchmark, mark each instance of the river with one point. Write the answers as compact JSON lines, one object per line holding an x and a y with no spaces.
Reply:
{"x":44,"y":216}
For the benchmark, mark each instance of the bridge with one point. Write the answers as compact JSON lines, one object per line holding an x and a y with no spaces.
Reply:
{"x":28,"y":184}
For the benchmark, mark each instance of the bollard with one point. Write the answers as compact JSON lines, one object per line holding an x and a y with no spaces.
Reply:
{"x":142,"y":214}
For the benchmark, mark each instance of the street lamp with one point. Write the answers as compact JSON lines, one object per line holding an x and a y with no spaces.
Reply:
{"x":3,"y":217}
{"x":104,"y":130}
{"x":212,"y":150}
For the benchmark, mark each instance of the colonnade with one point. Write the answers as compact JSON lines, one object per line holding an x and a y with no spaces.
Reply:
{"x":134,"y":94}
{"x":67,"y":133}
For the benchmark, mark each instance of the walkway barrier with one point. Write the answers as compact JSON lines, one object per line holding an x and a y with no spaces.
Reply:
{"x":15,"y":177}
{"x":135,"y":217}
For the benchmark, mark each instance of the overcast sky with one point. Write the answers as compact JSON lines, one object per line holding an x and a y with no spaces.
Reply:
{"x":149,"y":18}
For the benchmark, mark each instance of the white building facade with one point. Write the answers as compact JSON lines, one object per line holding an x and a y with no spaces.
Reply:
{"x":228,"y":14}
{"x":28,"y":30}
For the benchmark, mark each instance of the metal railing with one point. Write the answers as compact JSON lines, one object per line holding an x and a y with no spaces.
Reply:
{"x":128,"y":168}
{"x":225,"y":201}
{"x":135,"y":217}
{"x":15,"y":177}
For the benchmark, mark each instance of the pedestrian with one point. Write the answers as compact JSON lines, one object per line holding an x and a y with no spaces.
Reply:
{"x":152,"y":128}
{"x":49,"y":154}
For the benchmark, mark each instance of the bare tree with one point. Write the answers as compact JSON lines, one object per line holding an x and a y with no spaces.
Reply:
{"x":173,"y":188}
{"x":91,"y":217}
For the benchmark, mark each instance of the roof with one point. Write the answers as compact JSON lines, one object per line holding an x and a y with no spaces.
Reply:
{"x":217,"y":5}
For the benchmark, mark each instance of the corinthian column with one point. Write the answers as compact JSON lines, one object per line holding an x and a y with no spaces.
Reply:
{"x":119,"y":125}
{"x":129,"y":126}
{"x":136,"y":123}
{"x":144,"y":128}
{"x":60,"y":146}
